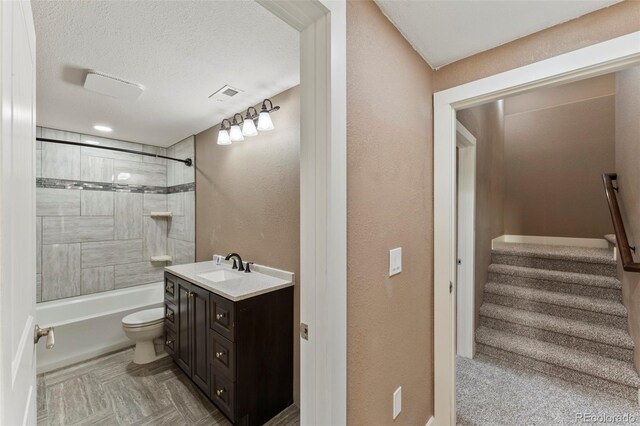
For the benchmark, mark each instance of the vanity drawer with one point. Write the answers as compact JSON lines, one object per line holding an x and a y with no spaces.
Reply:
{"x":170,"y":315}
{"x":223,"y":394}
{"x":223,"y":316}
{"x":223,"y":355}
{"x":170,"y":342}
{"x":170,"y":287}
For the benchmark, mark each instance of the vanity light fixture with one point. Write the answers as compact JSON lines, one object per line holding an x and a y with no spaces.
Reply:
{"x":230,"y":130}
{"x":235,"y":132}
{"x":248,"y":125}
{"x":264,"y":120}
{"x":223,"y":134}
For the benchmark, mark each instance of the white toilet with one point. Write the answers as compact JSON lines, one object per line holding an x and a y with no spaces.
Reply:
{"x":143,"y":327}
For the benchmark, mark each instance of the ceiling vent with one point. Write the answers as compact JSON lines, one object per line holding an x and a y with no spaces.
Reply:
{"x":225,"y":93}
{"x":112,"y":86}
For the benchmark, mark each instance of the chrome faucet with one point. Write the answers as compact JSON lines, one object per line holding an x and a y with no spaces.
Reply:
{"x":235,"y":265}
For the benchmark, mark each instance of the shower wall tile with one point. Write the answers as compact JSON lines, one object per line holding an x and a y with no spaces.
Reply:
{"x":60,"y":271}
{"x":189,"y":215}
{"x":96,"y":169}
{"x":175,"y":203}
{"x":60,"y":161}
{"x":154,"y":203}
{"x":107,"y":253}
{"x":138,"y":273}
{"x":177,"y":228}
{"x":39,"y":162}
{"x":128,"y":215}
{"x":76,"y":229}
{"x":154,"y":150}
{"x":181,"y":251}
{"x":97,"y":152}
{"x":38,"y":288}
{"x":135,"y":173}
{"x":98,"y":279}
{"x":155,"y":237}
{"x":38,"y":135}
{"x":96,"y":203}
{"x":38,"y":245}
{"x":57,"y":202}
{"x":60,"y":135}
{"x":178,"y":173}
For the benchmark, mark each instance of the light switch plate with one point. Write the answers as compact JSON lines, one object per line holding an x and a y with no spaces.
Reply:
{"x":397,"y":402}
{"x":395,"y":261}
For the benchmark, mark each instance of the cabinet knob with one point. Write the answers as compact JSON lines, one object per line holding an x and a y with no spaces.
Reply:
{"x":219,"y":354}
{"x":219,"y":392}
{"x":220,"y":316}
{"x":170,"y":316}
{"x":169,"y":343}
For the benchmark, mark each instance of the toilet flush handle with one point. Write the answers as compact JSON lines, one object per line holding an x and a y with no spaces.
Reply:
{"x":40,"y":332}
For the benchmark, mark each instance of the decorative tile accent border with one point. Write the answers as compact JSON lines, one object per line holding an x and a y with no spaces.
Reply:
{"x":185,"y":187}
{"x":115,"y":187}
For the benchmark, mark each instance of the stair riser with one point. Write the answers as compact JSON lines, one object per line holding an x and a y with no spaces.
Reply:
{"x":558,"y":286}
{"x":559,"y":311}
{"x":623,"y":354}
{"x":597,"y":383}
{"x":604,"y":269}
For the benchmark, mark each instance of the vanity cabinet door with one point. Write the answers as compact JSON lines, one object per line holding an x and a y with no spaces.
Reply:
{"x":200,"y":328}
{"x":183,"y":326}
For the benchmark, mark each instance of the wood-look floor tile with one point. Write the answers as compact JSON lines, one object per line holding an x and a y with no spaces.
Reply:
{"x":187,"y":398}
{"x":168,"y":417}
{"x":215,"y":418}
{"x":77,"y":400}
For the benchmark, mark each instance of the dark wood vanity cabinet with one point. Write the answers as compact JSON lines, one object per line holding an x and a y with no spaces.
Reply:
{"x":240,"y":352}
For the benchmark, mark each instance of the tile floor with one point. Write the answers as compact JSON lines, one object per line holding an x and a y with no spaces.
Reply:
{"x":494,"y":392}
{"x":111,"y":390}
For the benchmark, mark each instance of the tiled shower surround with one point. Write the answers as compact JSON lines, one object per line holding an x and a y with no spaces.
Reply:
{"x":94,"y":229}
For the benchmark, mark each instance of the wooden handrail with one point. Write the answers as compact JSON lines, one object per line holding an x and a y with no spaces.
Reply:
{"x":618,"y":226}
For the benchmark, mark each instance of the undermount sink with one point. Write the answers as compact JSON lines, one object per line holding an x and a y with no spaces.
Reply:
{"x":218,"y":276}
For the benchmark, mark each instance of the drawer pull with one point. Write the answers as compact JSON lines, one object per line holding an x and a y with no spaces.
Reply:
{"x":170,"y":316}
{"x":219,"y":354}
{"x":169,"y":288}
{"x":219,"y":392}
{"x":220,"y":316}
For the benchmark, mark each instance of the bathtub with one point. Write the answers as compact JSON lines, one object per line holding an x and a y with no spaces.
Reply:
{"x":88,"y":326}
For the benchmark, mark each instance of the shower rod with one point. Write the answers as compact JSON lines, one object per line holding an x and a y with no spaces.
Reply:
{"x":188,"y":162}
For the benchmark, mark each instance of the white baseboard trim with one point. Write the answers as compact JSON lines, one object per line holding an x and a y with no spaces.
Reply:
{"x":430,"y":422}
{"x":553,"y":241}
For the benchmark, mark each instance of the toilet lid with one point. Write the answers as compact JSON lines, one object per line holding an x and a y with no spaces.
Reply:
{"x":147,"y":316}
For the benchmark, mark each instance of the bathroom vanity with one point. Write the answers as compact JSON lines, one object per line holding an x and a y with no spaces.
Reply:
{"x":232,"y":333}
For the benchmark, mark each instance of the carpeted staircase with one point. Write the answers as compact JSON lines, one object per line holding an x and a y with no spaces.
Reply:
{"x":558,"y":310}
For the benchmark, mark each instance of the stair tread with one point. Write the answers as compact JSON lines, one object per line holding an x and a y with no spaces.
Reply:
{"x":584,"y":330}
{"x":590,"y":364}
{"x":552,"y":275}
{"x":567,"y":300}
{"x":578,"y":254}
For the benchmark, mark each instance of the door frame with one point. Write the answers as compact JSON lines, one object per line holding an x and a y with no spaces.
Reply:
{"x":323,"y":205}
{"x":466,"y":224}
{"x":601,"y":58}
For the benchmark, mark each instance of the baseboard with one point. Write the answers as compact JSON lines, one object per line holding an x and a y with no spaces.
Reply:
{"x":430,"y":422}
{"x":553,"y":241}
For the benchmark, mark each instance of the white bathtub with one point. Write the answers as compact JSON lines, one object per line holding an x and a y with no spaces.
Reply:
{"x":88,"y":326}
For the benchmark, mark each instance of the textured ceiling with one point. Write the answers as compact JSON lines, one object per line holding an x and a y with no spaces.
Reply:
{"x":447,"y":31}
{"x":181,"y":51}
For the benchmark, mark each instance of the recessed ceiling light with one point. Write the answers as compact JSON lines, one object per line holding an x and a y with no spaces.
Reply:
{"x":101,"y":128}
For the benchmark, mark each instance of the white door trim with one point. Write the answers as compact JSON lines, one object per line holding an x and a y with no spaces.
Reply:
{"x":323,"y":205}
{"x":465,"y":288}
{"x":601,"y":58}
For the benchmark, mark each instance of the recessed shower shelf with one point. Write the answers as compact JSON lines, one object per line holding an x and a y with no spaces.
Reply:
{"x":160,"y":214}
{"x":163,"y":258}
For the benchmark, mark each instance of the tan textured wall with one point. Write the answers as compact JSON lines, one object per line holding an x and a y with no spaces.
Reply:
{"x":558,"y":142}
{"x":614,"y":21}
{"x":627,"y":160}
{"x":248,"y":198}
{"x":389,"y":204}
{"x":486,"y":123}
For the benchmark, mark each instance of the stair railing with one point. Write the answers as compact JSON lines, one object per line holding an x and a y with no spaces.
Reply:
{"x":618,"y":226}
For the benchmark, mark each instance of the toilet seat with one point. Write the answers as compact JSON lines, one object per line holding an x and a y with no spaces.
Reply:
{"x":144,"y":318}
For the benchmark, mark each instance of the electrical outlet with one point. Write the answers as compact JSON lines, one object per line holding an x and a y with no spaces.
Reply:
{"x":395,"y":261}
{"x":397,"y":402}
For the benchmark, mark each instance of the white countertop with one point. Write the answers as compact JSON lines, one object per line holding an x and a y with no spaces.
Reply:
{"x":260,"y":280}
